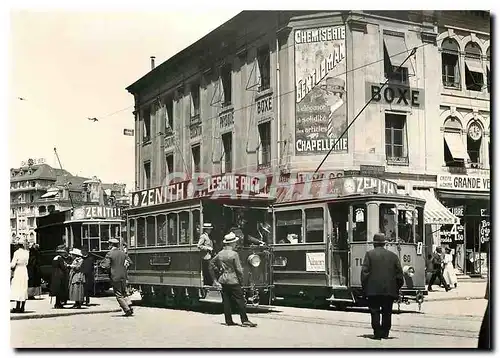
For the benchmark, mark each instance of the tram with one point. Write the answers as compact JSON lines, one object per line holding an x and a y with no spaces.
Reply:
{"x":164,"y":228}
{"x":323,"y":228}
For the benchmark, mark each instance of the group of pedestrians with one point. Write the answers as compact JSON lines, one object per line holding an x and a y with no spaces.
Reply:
{"x":441,"y":267}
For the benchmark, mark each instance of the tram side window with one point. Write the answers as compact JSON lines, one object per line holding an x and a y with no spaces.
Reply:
{"x":104,"y":236}
{"x":184,"y":228}
{"x":76,"y":229}
{"x":131,"y":232}
{"x":172,"y":229}
{"x":196,"y":226}
{"x":289,"y":227}
{"x":388,"y":221}
{"x":419,"y":225}
{"x":150,"y":231}
{"x":314,"y":225}
{"x":161,"y":227}
{"x":359,"y":223}
{"x":405,"y":226}
{"x":141,"y":232}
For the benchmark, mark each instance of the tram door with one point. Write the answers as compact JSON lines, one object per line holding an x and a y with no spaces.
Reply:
{"x":338,"y":244}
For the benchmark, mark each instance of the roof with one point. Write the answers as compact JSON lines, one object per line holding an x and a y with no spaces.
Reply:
{"x":40,"y":171}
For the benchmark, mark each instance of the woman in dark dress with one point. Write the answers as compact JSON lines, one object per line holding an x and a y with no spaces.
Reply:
{"x":34,"y":274}
{"x":59,"y":283}
{"x":88,"y":270}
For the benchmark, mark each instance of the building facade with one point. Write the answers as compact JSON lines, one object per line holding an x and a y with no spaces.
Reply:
{"x":37,"y":189}
{"x":274,"y":92}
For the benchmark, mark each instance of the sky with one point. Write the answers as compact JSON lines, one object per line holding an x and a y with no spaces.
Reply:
{"x":70,"y":65}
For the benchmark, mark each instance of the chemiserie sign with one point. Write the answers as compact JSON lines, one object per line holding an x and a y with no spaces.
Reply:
{"x":463,"y":182}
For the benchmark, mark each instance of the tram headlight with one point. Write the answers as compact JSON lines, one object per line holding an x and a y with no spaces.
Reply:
{"x":254,"y":260}
{"x":409,"y":271}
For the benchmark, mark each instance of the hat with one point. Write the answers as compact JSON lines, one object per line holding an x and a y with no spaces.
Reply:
{"x":62,"y":248}
{"x":334,"y":84}
{"x":379,"y":237}
{"x":230,"y":238}
{"x":207,"y":226}
{"x":76,"y":252}
{"x":266,"y":227}
{"x":113,"y":241}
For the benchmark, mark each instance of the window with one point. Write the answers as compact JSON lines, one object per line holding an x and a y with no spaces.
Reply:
{"x":161,"y":228}
{"x":264,"y":154}
{"x":474,"y":80}
{"x":184,"y":228}
{"x":455,"y":153}
{"x":169,"y":115}
{"x":264,"y":64}
{"x":227,"y":142}
{"x":195,"y":99}
{"x":196,"y":226}
{"x":488,"y":74}
{"x":195,"y":151}
{"x":172,"y":229}
{"x":314,"y":225}
{"x":388,"y":221}
{"x":449,"y":63}
{"x":170,"y":163}
{"x":395,"y":53}
{"x":141,"y":232}
{"x":359,"y":223}
{"x":146,"y":118}
{"x":395,"y":139}
{"x":289,"y":227}
{"x":132,"y":233}
{"x":150,"y":231}
{"x":147,"y":174}
{"x":226,"y":72}
{"x":406,"y":225}
{"x":105,"y":236}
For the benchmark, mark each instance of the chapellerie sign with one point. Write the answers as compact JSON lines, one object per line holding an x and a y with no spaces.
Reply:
{"x":463,"y":182}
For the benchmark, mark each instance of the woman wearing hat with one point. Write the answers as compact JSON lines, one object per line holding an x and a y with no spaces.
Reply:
{"x":227,"y":262}
{"x":34,"y":274}
{"x":59,"y":280}
{"x":19,"y":283}
{"x":76,"y":279}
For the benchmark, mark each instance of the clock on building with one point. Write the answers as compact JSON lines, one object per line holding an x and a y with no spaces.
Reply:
{"x":475,"y":131}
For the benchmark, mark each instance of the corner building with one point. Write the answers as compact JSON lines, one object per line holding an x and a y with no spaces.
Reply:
{"x":273,"y":91}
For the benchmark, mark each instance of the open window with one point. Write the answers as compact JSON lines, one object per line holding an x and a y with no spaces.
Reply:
{"x":196,"y":157}
{"x":264,"y":151}
{"x":395,"y":53}
{"x":488,"y":73}
{"x":169,"y":158}
{"x":146,"y":120}
{"x":227,"y":142}
{"x":474,"y":79}
{"x":169,"y":115}
{"x":147,"y":174}
{"x":450,"y":63}
{"x":195,"y":99}
{"x":226,"y":78}
{"x":455,"y":153}
{"x":264,"y":64}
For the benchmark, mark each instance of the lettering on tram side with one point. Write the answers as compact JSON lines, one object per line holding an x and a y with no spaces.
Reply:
{"x":89,"y":212}
{"x":315,"y":261}
{"x":358,"y":261}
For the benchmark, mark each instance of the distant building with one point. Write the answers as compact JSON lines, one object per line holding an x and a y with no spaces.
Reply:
{"x":37,"y":189}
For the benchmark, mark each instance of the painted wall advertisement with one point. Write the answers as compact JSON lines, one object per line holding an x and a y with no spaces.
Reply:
{"x":320,"y":89}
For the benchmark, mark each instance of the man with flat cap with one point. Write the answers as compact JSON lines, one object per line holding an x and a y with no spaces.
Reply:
{"x":227,"y":262}
{"x":381,"y":279}
{"x":117,"y":262}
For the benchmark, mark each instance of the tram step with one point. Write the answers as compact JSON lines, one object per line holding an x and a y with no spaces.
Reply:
{"x":212,"y":297}
{"x":333,"y":299}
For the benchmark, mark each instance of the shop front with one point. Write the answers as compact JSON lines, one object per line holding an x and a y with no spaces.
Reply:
{"x":467,"y":197}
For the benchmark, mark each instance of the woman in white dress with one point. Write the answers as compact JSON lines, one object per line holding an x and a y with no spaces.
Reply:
{"x":449,"y":271}
{"x":19,"y":283}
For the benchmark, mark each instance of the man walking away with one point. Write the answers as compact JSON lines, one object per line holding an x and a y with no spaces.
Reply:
{"x":117,"y":262}
{"x":227,"y":262}
{"x":381,"y":279}
{"x":437,"y":262}
{"x":88,"y":270}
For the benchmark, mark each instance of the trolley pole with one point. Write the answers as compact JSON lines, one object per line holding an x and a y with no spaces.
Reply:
{"x":413,"y":51}
{"x":69,"y":191}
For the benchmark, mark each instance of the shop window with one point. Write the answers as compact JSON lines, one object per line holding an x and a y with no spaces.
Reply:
{"x":150,"y":231}
{"x":161,"y":230}
{"x":395,"y":53}
{"x":264,"y":63}
{"x":169,"y":115}
{"x":450,"y":63}
{"x":196,"y":154}
{"x":147,"y":174}
{"x":141,"y":232}
{"x":474,"y":79}
{"x":396,"y":141}
{"x":226,"y":76}
{"x":195,"y":100}
{"x":227,"y":142}
{"x":184,"y":228}
{"x":474,"y":143}
{"x":359,"y":223}
{"x":146,"y":119}
{"x":170,"y":163}
{"x":264,"y":151}
{"x":314,"y":225}
{"x":455,"y":153}
{"x":196,"y":226}
{"x":172,"y":229}
{"x":289,"y":227}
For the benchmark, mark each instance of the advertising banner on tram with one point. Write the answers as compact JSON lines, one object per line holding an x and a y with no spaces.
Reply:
{"x":320,"y":89}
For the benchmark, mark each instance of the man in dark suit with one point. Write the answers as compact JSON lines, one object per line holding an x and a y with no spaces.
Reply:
{"x":381,"y":279}
{"x":437,"y":263}
{"x":227,"y":262}
{"x":117,"y":262}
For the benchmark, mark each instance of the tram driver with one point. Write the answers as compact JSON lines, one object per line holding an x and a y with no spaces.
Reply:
{"x":206,"y":247}
{"x":241,"y":231}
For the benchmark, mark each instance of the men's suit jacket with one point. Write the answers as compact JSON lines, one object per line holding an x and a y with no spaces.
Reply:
{"x":115,"y":261}
{"x":381,"y":274}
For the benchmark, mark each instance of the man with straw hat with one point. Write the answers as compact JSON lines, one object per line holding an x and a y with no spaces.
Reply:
{"x":227,"y":262}
{"x":59,"y":283}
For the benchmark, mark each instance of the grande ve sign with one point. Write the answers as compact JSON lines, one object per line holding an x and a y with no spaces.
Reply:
{"x":463,"y":182}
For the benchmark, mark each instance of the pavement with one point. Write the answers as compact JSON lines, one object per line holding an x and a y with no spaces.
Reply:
{"x":466,"y":290}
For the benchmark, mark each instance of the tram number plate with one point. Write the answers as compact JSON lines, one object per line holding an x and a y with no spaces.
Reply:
{"x":406,"y":258}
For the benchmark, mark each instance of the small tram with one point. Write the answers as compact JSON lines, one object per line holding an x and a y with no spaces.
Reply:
{"x":163,"y":229}
{"x":323,"y":228}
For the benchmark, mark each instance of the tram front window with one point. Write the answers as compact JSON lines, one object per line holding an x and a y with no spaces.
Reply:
{"x":289,"y":227}
{"x":388,"y":221}
{"x":405,"y":226}
{"x":359,"y":222}
{"x":104,"y":237}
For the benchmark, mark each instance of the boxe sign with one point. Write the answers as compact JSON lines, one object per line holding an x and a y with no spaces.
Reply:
{"x":463,"y":182}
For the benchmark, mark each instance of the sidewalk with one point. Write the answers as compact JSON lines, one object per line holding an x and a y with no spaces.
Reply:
{"x":43,"y":308}
{"x":466,"y":290}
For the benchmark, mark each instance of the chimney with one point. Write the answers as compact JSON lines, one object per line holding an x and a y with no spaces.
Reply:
{"x":152,"y":62}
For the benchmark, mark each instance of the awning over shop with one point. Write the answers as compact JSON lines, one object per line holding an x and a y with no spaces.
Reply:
{"x":474,"y":65}
{"x":396,"y":49}
{"x":49,"y":194}
{"x":434,"y":212}
{"x":456,"y":145}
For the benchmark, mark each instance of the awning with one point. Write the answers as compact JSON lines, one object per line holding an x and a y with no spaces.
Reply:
{"x":488,"y":66}
{"x":396,"y":49}
{"x":434,"y":211}
{"x":474,"y":65}
{"x":49,"y":194}
{"x":456,"y":146}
